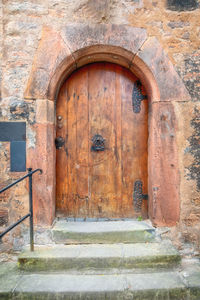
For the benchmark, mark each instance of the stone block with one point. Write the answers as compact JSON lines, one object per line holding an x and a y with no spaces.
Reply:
{"x":169,"y":83}
{"x":17,"y":27}
{"x":188,"y":139}
{"x":44,"y":111}
{"x":50,"y":53}
{"x":146,"y":286}
{"x":9,"y":278}
{"x":102,"y":232}
{"x":91,"y":43}
{"x":99,"y":256}
{"x":43,"y":156}
{"x":14,"y":78}
{"x":27,"y":7}
{"x":79,"y":36}
{"x":164,"y":180}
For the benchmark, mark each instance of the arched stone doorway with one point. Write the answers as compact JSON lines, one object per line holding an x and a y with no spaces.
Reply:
{"x":59,"y":54}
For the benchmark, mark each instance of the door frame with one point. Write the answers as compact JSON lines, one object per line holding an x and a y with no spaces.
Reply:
{"x":59,"y":53}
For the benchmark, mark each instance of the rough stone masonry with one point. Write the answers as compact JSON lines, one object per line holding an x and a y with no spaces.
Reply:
{"x":174,"y":23}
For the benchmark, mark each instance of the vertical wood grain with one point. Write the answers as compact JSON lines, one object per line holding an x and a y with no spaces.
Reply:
{"x":82,"y":143}
{"x":100,"y":184}
{"x":72,"y":144}
{"x":61,"y":154}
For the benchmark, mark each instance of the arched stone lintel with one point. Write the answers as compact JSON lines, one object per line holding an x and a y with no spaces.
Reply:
{"x":98,"y":53}
{"x":61,"y":53}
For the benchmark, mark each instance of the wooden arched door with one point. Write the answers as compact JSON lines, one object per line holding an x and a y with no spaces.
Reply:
{"x":102,"y":132}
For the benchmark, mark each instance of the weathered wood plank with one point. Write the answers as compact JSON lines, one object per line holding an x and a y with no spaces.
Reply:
{"x":62,"y":154}
{"x":82,"y":142}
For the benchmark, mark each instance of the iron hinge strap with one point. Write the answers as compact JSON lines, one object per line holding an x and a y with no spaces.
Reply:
{"x":138,"y":196}
{"x":137,"y":97}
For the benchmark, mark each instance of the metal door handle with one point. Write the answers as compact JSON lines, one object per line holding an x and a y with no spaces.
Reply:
{"x":98,"y":143}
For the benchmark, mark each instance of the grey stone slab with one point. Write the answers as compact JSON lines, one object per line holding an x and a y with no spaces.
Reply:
{"x":157,"y":286}
{"x":102,"y":232}
{"x":191,"y":276}
{"x":150,"y":255}
{"x":164,"y":280}
{"x":191,"y":272}
{"x":9,"y":278}
{"x":99,"y":256}
{"x":148,"y":249}
{"x":55,"y":251}
{"x":102,"y":226}
{"x":7,"y":267}
{"x":194,"y":280}
{"x":72,"y":257}
{"x":96,"y":250}
{"x":165,"y":285}
{"x":132,"y":286}
{"x":70,"y":283}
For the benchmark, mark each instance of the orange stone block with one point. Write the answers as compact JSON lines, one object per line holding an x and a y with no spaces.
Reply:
{"x":164,"y":181}
{"x":43,"y":157}
{"x":50,"y":53}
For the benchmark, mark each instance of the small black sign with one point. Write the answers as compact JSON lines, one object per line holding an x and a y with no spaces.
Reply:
{"x":12,"y":131}
{"x":182,"y":5}
{"x":18,"y":156}
{"x":15,"y":133}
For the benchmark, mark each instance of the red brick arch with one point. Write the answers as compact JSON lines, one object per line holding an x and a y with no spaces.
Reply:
{"x":60,"y":53}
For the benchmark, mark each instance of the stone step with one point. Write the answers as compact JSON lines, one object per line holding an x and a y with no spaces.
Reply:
{"x":182,"y":283}
{"x":102,"y":232}
{"x":164,"y":285}
{"x":99,"y":256}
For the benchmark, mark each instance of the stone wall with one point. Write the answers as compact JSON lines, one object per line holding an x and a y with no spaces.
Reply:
{"x":176,"y":26}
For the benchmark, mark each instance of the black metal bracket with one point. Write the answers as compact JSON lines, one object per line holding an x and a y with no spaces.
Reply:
{"x":138,"y":196}
{"x":98,"y":143}
{"x":137,"y":97}
{"x":59,"y":142}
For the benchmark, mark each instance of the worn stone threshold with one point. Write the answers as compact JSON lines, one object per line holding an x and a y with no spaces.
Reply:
{"x":101,"y":225}
{"x":128,"y":231}
{"x":86,"y":219}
